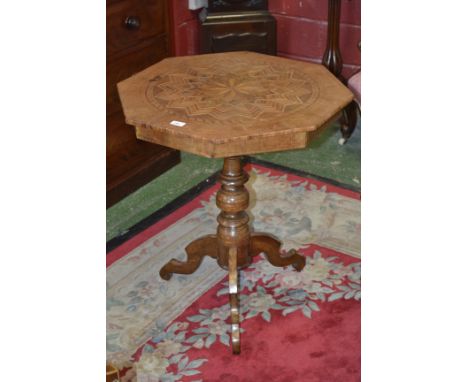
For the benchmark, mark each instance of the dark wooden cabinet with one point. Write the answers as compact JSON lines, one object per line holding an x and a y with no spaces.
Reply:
{"x":232,"y":25}
{"x":237,"y":5}
{"x":137,"y":37}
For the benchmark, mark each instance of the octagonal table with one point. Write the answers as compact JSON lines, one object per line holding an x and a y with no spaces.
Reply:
{"x":228,"y":105}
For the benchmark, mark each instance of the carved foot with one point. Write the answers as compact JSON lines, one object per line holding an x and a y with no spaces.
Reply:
{"x":234,"y":300}
{"x":196,"y":251}
{"x":348,"y":122}
{"x":271,"y":247}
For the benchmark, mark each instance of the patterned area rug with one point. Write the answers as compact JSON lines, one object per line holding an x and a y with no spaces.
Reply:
{"x":296,"y":326}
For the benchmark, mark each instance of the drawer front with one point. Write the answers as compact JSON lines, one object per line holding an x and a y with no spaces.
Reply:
{"x":256,"y":34}
{"x":131,"y":21}
{"x":120,"y":68}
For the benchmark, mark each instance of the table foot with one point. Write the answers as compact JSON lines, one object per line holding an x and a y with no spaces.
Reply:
{"x":196,"y":251}
{"x":234,"y":300}
{"x":267,"y":244}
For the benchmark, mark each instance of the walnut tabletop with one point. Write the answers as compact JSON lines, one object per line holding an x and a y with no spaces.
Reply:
{"x":229,"y":104}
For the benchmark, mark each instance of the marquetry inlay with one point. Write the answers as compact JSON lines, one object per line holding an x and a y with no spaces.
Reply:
{"x":231,"y":90}
{"x":234,"y":103}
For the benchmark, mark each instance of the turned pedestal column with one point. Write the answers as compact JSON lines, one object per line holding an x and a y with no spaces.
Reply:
{"x":234,"y":245}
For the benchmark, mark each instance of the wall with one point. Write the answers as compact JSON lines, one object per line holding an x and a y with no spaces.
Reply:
{"x":302,"y":30}
{"x":185,"y":28}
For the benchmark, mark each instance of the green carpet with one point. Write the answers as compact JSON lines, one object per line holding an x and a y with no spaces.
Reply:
{"x":324,"y":157}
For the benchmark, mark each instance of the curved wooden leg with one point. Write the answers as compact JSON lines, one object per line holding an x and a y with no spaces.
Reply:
{"x":261,"y":242}
{"x":348,"y":122}
{"x":234,"y":300}
{"x":196,"y":251}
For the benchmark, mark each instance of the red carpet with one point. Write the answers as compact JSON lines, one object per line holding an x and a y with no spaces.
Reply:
{"x":296,"y":326}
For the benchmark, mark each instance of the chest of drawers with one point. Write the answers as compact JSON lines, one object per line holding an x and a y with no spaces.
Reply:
{"x":137,"y":36}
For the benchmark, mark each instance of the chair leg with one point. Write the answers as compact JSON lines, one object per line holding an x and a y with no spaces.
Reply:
{"x":348,"y":122}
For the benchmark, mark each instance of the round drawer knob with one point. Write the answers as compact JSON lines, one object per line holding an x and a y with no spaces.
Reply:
{"x":132,"y":22}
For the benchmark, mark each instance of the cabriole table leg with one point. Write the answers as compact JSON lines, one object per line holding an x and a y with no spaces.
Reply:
{"x":196,"y":251}
{"x":267,"y":244}
{"x":234,"y":300}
